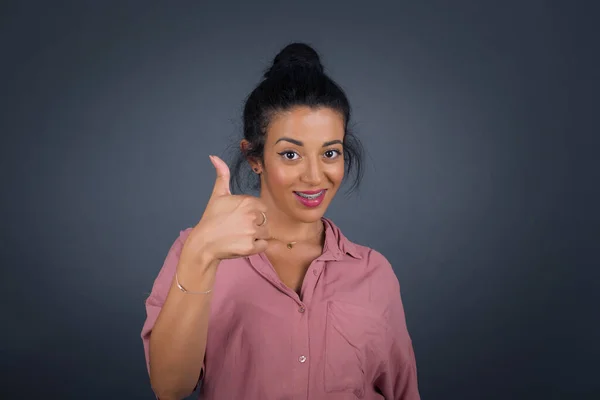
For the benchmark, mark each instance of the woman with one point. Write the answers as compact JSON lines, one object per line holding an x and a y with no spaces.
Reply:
{"x":265,"y":298}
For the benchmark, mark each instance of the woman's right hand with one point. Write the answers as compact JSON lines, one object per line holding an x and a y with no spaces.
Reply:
{"x":230,"y":226}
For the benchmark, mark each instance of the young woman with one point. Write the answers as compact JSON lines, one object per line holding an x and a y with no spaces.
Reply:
{"x":265,"y":298}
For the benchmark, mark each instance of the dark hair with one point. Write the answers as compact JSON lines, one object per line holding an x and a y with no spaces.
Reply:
{"x":296,"y":78}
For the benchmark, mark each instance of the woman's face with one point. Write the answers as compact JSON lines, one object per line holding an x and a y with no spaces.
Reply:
{"x":303,"y":162}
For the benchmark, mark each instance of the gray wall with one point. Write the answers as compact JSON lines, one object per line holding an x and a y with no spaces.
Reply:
{"x":481,"y":184}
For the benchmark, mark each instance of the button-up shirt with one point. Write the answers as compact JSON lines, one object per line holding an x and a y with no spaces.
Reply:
{"x":343,"y":337}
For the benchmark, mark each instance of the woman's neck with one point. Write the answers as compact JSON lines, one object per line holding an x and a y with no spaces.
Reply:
{"x":285,"y":228}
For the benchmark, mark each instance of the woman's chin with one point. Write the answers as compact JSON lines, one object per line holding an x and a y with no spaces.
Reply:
{"x":308,"y":216}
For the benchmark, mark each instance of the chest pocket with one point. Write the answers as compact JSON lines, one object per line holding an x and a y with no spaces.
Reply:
{"x":355,"y":342}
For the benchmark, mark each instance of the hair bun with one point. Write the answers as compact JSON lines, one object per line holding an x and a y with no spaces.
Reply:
{"x":293,"y":56}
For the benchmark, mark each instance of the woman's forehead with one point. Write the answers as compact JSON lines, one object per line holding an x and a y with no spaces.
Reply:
{"x":307,"y":125}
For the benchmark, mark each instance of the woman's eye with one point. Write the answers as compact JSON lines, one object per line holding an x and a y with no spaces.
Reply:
{"x":332,"y":153}
{"x":289,"y":155}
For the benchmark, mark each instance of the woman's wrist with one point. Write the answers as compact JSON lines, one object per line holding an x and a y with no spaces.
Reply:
{"x":197,"y":275}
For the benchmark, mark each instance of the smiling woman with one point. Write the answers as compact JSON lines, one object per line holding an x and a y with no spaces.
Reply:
{"x":296,"y":79}
{"x":302,"y":164}
{"x":265,"y":298}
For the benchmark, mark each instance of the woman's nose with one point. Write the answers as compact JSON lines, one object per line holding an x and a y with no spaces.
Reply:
{"x":313,"y":174}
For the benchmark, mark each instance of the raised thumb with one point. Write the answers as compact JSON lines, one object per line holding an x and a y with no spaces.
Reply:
{"x":222,"y":182}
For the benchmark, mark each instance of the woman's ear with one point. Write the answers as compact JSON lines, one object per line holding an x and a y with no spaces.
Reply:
{"x":254,"y":163}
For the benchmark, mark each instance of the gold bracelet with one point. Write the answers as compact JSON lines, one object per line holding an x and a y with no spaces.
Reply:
{"x":184,"y":290}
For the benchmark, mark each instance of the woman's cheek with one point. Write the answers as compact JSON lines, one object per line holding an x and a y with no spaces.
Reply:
{"x":337,"y":173}
{"x":282,"y":176}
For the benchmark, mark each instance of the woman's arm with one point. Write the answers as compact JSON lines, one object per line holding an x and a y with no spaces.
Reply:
{"x":176,"y":326}
{"x":398,"y":378}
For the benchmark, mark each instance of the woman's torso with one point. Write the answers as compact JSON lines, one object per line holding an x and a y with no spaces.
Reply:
{"x":266,"y":341}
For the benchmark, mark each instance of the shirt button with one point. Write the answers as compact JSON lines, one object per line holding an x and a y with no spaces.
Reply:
{"x":302,"y":359}
{"x":301,"y":309}
{"x":315,"y":272}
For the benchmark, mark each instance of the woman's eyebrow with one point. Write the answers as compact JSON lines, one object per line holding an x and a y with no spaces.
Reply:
{"x":299,"y":143}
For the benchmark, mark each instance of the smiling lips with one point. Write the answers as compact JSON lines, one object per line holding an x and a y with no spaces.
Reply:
{"x":311,"y":198}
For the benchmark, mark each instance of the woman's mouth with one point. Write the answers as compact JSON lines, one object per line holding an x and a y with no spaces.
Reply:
{"x":311,"y":198}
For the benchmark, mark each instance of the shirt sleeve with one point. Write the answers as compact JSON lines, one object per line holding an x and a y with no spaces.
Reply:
{"x":160,"y":289}
{"x":398,"y":378}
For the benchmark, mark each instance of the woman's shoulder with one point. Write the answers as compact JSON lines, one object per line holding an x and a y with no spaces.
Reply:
{"x":376,"y":263}
{"x":368,"y":256}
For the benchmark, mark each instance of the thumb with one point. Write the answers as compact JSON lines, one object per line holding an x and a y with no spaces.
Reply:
{"x":260,"y":245}
{"x":222,"y":182}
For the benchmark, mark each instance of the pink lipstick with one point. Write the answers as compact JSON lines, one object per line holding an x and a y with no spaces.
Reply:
{"x":311,"y":198}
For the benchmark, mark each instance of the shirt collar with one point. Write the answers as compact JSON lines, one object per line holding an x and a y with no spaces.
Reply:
{"x":336,"y":244}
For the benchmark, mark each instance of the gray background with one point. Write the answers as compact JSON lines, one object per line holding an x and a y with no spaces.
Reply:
{"x":481,"y":184}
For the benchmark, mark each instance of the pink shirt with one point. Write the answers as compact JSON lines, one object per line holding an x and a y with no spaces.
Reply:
{"x":345,"y":337}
